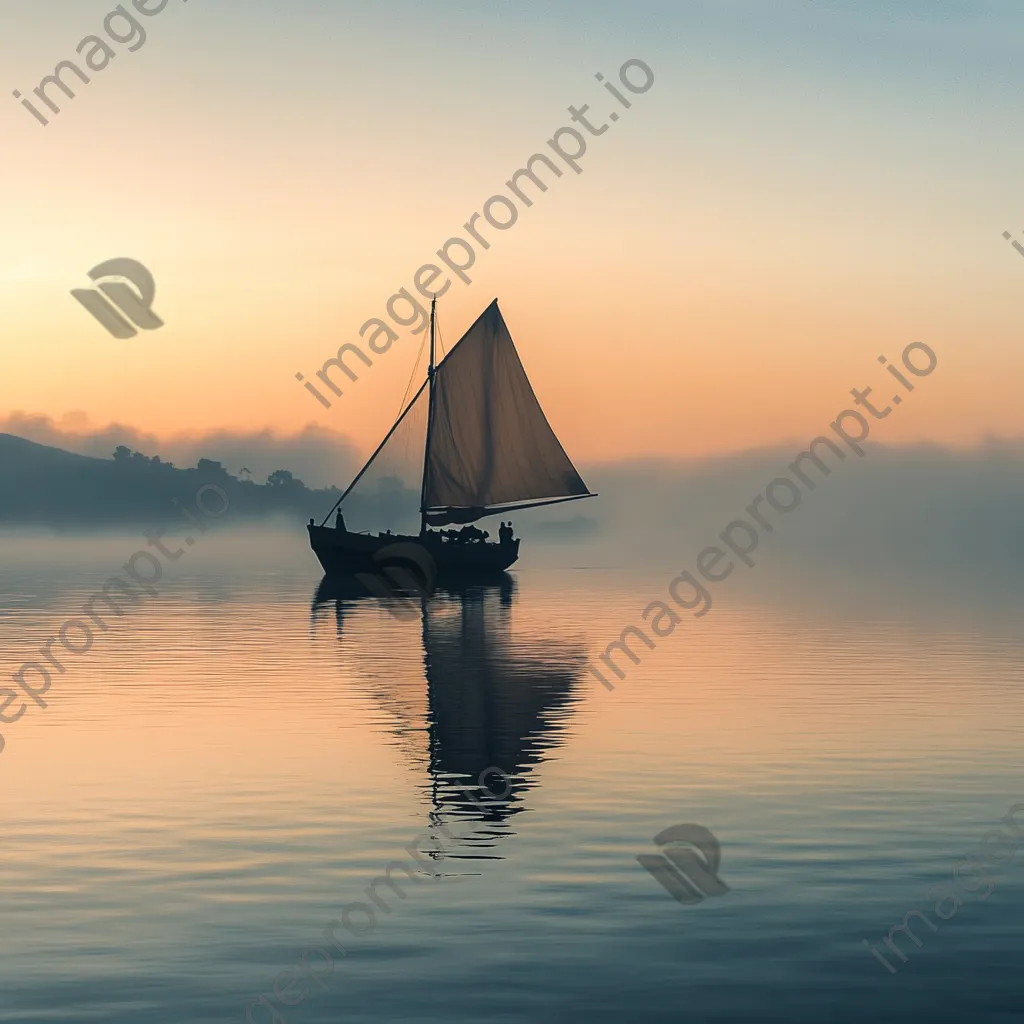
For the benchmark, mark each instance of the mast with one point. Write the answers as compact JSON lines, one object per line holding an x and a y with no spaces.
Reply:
{"x":430,"y":418}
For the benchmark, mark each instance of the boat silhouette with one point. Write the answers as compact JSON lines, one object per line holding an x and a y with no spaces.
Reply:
{"x":489,"y":450}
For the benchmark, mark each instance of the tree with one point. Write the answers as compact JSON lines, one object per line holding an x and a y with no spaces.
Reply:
{"x":211,"y":468}
{"x":281,"y":478}
{"x":122,"y":453}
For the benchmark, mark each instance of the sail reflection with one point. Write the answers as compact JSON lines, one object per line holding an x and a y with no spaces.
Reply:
{"x":483,"y":698}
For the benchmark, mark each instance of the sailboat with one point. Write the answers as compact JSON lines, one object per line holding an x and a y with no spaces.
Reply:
{"x":489,"y":450}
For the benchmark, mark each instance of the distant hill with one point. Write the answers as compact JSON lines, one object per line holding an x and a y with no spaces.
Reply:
{"x":49,"y":487}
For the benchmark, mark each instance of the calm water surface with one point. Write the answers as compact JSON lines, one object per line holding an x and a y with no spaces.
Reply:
{"x":231,"y":765}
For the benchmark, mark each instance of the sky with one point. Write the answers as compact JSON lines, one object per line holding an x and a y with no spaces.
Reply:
{"x":804,"y":187}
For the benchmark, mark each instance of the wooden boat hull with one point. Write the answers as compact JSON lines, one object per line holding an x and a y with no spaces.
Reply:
{"x":343,"y":553}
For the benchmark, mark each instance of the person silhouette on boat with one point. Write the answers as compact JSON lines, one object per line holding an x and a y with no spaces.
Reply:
{"x":339,"y":522}
{"x":505,"y":534}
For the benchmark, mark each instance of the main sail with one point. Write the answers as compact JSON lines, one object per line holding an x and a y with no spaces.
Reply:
{"x":490,"y":448}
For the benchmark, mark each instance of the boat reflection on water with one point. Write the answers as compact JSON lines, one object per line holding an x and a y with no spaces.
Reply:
{"x":483,"y":698}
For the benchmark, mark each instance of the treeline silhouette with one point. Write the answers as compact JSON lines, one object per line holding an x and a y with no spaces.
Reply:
{"x":50,"y":487}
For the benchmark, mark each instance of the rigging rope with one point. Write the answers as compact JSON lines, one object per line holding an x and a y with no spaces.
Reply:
{"x":401,"y":407}
{"x":440,"y":340}
{"x":412,"y":376}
